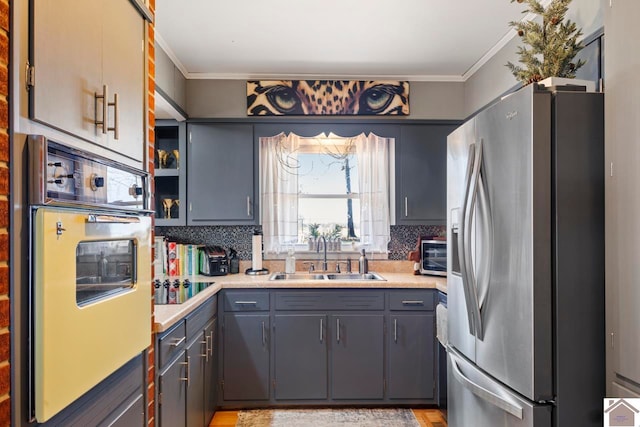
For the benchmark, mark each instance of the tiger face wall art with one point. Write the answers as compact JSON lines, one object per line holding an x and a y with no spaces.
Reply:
{"x":327,"y":97}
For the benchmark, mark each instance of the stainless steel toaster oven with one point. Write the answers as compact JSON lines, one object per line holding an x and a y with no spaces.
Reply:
{"x":433,"y":257}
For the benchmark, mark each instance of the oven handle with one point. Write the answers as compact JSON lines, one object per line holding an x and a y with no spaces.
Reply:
{"x":113,"y":219}
{"x":134,"y":269}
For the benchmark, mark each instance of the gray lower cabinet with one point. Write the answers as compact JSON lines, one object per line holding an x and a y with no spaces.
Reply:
{"x":173,"y":393}
{"x":210,"y":371}
{"x":358,"y":356}
{"x":186,"y":361}
{"x":196,"y":359}
{"x":221,"y":177}
{"x":300,"y":357}
{"x":411,"y":352}
{"x":245,"y":350}
{"x":132,"y":416}
{"x":331,"y":346}
{"x":201,"y":383}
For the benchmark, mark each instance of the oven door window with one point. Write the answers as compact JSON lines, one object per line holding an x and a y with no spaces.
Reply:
{"x":103,"y":269}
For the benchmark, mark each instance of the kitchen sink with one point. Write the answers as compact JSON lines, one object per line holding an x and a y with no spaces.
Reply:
{"x":355,"y":276}
{"x":336,"y":276}
{"x":296,"y":276}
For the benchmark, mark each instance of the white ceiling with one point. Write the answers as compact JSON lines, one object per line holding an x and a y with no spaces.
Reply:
{"x":442,"y":40}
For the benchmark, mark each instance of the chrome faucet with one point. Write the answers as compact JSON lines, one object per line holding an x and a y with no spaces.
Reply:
{"x":324,"y":262}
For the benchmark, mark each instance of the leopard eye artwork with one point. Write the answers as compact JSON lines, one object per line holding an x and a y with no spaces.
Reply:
{"x":327,"y":97}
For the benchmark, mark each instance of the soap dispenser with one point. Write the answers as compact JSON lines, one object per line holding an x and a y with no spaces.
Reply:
{"x":363,"y":264}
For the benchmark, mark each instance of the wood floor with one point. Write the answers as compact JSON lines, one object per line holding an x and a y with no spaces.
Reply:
{"x":426,"y":418}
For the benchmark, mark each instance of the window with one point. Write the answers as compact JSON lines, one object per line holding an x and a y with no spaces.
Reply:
{"x":315,"y":187}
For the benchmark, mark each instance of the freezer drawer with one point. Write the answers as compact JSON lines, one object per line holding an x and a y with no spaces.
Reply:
{"x":475,"y":399}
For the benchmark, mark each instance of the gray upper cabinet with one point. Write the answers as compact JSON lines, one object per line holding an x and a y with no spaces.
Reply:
{"x":421,"y":174}
{"x":170,"y":174}
{"x":221,"y":177}
{"x":72,"y":67}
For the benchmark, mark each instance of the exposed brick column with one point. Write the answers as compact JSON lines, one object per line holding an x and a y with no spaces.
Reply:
{"x":5,"y":331}
{"x":151,"y":132}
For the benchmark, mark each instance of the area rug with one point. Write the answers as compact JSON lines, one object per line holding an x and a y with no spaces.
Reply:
{"x":327,"y":418}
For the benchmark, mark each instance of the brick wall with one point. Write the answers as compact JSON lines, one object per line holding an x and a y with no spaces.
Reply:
{"x":5,"y":366}
{"x":151,"y":124}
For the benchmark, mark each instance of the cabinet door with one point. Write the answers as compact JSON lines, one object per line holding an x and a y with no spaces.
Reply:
{"x":220,"y":176}
{"x":196,"y":355}
{"x":173,"y":393}
{"x":246,"y":357}
{"x":124,"y":73}
{"x":300,"y":356}
{"x":68,"y":65}
{"x":421,"y":174}
{"x":210,"y":382}
{"x":357,"y":356}
{"x":133,"y":416}
{"x":411,"y":356}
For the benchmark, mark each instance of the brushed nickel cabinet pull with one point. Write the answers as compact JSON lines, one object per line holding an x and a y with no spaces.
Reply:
{"x":178,"y":342}
{"x":104,"y":123}
{"x":105,"y":108}
{"x":188,"y":364}
{"x":395,"y":330}
{"x":211,"y":346}
{"x":248,"y":205}
{"x":247,"y":302}
{"x":206,"y":348}
{"x":406,"y":206}
{"x":321,"y":332}
{"x":338,"y":329}
{"x":116,"y":117}
{"x":409,"y":302}
{"x":263,"y":337}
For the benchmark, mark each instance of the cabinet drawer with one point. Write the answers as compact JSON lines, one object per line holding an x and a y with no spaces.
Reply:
{"x":412,"y":300}
{"x":330,"y":300}
{"x":246,"y":301}
{"x":172,"y":343}
{"x":302,"y":300}
{"x":199,"y":318}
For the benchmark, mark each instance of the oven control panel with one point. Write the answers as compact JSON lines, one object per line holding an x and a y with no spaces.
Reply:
{"x":61,"y":175}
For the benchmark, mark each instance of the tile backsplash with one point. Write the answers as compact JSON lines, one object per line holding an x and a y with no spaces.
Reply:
{"x":403,"y":237}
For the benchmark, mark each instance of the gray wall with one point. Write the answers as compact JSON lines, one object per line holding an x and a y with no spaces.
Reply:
{"x":494,"y":79}
{"x":428,"y":100}
{"x":170,"y":79}
{"x":228,"y":99}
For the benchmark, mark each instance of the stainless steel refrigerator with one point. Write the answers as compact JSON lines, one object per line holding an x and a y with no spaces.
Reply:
{"x":525,"y":218}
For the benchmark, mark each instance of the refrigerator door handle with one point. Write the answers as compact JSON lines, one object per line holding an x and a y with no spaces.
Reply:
{"x":472,"y":284}
{"x":463,"y":242}
{"x":484,"y":394}
{"x":487,"y":240}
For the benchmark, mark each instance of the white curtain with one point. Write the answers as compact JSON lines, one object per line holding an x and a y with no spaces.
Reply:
{"x":279,"y":188}
{"x":373,"y":176}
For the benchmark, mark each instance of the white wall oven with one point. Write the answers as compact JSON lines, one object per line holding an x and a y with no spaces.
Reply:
{"x":90,"y":272}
